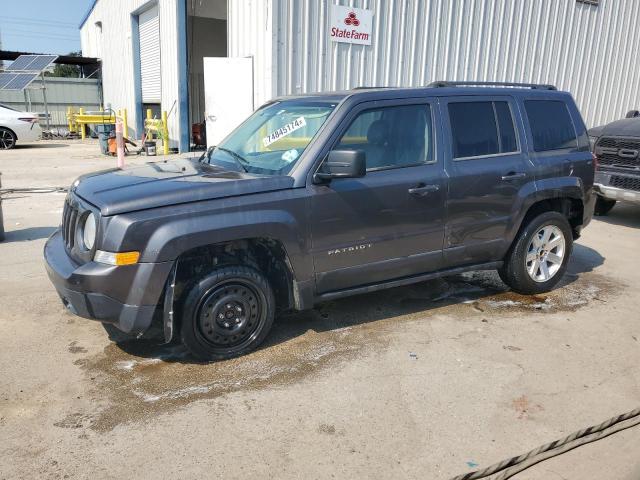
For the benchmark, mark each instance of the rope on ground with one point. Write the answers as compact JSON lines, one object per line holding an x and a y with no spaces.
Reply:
{"x":510,"y":467}
{"x":10,"y":191}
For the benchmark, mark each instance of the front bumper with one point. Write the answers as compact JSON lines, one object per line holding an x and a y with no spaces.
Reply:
{"x":602,"y":185}
{"x":125,"y":296}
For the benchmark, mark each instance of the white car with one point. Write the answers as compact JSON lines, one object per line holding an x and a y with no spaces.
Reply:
{"x":17,"y":126}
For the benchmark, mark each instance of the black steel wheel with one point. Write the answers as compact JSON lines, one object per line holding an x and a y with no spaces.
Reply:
{"x":7,"y":139}
{"x":227,"y":313}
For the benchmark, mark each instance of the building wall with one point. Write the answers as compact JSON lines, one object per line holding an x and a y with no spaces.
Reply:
{"x":250,"y":33}
{"x":112,"y":43}
{"x":61,"y":93}
{"x":591,"y":51}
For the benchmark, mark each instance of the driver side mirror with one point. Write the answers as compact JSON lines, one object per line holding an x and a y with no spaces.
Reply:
{"x":342,"y":164}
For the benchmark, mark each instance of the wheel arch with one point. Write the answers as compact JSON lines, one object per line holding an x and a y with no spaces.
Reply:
{"x":265,"y":254}
{"x":569,"y":206}
{"x":11,"y":130}
{"x":562,"y":194}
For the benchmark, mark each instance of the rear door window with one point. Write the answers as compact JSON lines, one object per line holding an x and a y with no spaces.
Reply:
{"x":551,"y":125}
{"x":482,"y":128}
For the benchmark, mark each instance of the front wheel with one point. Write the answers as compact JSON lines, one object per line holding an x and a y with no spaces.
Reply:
{"x":227,"y":313}
{"x":538,"y":258}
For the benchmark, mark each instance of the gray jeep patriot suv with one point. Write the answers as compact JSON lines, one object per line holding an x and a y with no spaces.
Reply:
{"x":317,"y":197}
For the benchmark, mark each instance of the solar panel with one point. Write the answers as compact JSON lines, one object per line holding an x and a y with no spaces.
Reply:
{"x":21,"y":62}
{"x":31,"y":63}
{"x":6,"y":78}
{"x":41,"y":62}
{"x":20,"y":81}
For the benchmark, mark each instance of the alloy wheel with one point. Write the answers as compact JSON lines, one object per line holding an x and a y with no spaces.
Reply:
{"x":7,"y":140}
{"x":545,"y":253}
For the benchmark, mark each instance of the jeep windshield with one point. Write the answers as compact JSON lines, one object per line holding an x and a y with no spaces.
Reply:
{"x":271,"y":140}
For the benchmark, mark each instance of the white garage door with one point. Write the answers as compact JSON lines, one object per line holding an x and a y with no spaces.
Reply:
{"x":149,"y":29}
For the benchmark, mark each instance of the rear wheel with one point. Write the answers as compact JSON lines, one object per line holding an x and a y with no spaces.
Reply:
{"x":227,"y":313}
{"x":603,"y":206}
{"x":538,"y":259}
{"x":7,"y":139}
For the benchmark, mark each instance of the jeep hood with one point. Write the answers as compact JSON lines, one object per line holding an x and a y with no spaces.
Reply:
{"x":159,"y":184}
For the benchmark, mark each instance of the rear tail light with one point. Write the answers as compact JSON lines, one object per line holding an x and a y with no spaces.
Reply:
{"x":29,"y":119}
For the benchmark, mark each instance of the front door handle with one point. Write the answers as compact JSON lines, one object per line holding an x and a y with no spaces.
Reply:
{"x":421,"y":190}
{"x":513,"y":176}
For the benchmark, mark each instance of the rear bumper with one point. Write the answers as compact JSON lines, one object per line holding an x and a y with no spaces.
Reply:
{"x":95,"y":291}
{"x":605,"y":190}
{"x":30,"y":132}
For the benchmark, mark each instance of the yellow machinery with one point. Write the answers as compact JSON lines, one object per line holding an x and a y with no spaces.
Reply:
{"x":153,"y":127}
{"x":157,"y":128}
{"x":77,"y":120}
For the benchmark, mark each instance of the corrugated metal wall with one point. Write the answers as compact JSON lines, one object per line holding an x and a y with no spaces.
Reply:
{"x":61,"y":93}
{"x":591,"y":51}
{"x":113,"y":45}
{"x":250,"y":33}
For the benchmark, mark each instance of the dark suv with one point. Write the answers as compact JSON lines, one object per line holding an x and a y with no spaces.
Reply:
{"x":321,"y":196}
{"x":617,"y":147}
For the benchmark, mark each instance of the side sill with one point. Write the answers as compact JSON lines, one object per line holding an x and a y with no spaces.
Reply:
{"x":405,"y":281}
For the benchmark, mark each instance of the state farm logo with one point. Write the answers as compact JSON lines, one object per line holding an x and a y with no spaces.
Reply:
{"x":350,"y":24}
{"x":352,"y":20}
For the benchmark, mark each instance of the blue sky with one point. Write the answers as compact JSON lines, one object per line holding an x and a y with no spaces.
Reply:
{"x":41,"y":26}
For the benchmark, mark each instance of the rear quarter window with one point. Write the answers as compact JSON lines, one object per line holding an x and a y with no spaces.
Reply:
{"x":551,"y":125}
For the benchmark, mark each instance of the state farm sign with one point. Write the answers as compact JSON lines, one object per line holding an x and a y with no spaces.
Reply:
{"x":350,"y":25}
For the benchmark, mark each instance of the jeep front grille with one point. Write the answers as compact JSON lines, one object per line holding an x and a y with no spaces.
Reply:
{"x":608,"y":150}
{"x":626,"y":183}
{"x":70,"y":217}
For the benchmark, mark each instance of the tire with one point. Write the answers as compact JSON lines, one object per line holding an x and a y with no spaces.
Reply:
{"x":525,"y":251}
{"x":227,"y":313}
{"x":603,"y":206}
{"x":7,"y":139}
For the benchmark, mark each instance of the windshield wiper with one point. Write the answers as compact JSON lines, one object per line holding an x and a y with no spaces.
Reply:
{"x":206,"y":155}
{"x":239,"y":159}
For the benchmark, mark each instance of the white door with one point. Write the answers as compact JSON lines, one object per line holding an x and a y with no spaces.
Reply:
{"x":228,"y":95}
{"x":149,"y":30}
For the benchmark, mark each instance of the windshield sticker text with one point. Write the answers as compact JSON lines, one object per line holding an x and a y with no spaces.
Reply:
{"x":284,"y":131}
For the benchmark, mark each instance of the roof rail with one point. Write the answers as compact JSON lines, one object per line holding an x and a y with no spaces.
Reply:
{"x":366,"y":87}
{"x":535,"y":86}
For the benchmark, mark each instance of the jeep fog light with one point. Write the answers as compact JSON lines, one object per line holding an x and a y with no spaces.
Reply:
{"x":116,"y":258}
{"x":89,"y":231}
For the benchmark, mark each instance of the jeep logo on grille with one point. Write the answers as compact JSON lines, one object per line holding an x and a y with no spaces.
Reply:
{"x":627,"y":153}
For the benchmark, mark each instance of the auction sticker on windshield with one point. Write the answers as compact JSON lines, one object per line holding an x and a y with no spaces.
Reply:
{"x":284,"y":131}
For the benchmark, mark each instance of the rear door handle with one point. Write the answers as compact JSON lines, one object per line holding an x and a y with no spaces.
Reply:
{"x":513,"y":176}
{"x":421,"y":190}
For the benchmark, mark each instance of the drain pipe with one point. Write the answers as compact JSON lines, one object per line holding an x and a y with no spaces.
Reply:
{"x":1,"y":222}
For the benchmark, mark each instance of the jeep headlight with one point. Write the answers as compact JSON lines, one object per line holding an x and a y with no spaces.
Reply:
{"x":89,"y":231}
{"x":592,"y":143}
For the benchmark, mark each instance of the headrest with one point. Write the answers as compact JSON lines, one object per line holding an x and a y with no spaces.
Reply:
{"x":378,"y":133}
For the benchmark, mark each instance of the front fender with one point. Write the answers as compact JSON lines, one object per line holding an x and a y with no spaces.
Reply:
{"x":173,"y":238}
{"x":162,"y":235}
